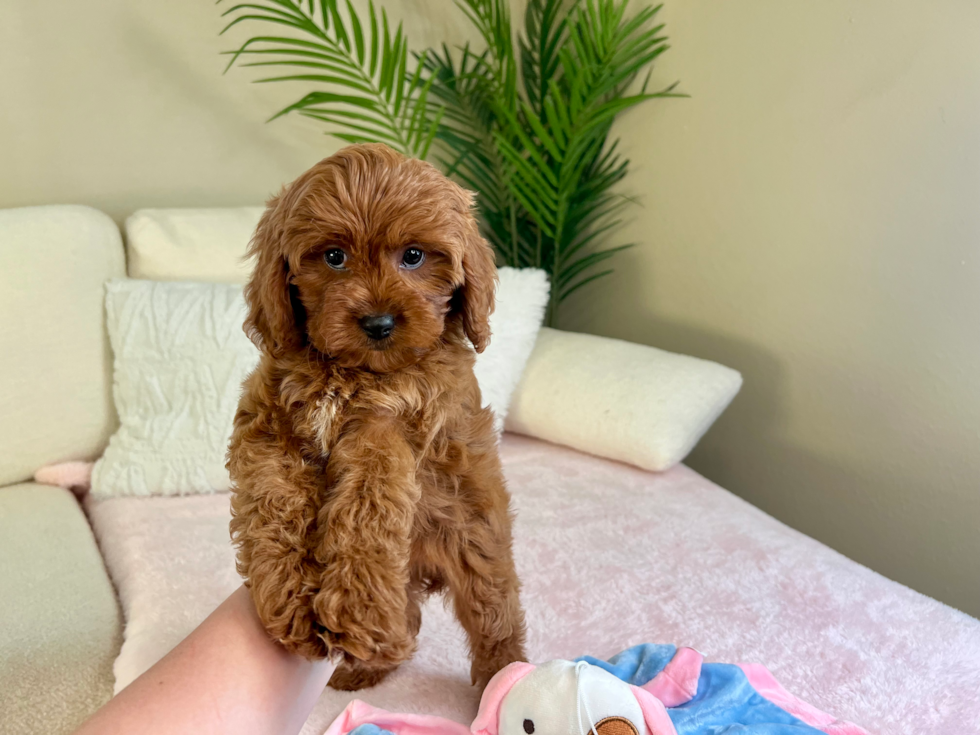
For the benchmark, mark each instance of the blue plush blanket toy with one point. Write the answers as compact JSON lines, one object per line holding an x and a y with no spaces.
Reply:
{"x":645,"y":690}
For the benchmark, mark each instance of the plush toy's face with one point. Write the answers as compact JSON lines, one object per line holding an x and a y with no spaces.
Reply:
{"x":562,"y":698}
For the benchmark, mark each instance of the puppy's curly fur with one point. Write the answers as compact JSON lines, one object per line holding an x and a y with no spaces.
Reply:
{"x":365,"y":470}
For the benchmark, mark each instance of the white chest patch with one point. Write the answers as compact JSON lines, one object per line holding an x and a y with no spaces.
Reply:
{"x":324,"y":415}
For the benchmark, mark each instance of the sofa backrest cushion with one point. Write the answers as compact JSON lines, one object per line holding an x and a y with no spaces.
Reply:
{"x":55,"y":362}
{"x":191,"y":244}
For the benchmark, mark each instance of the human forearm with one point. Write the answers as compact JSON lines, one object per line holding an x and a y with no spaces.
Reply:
{"x":225,"y":677}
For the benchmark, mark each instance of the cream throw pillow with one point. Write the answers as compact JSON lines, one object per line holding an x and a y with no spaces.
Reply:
{"x":620,"y":400}
{"x":180,"y":357}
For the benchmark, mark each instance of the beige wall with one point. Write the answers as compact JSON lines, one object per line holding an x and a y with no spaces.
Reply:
{"x":121,"y":104}
{"x":811,"y":216}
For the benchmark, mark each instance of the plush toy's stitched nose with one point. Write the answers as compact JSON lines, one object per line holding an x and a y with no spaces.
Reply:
{"x":615,"y":726}
{"x":377,"y":326}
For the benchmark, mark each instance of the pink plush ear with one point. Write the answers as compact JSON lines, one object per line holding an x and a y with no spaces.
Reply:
{"x":493,"y":696}
{"x":654,"y":713}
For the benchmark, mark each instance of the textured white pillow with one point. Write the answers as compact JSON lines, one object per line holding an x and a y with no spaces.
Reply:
{"x":522,"y":296}
{"x":181,"y":357}
{"x":620,"y":400}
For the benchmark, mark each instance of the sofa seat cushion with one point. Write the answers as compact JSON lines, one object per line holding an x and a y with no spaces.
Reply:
{"x":60,"y":627}
{"x":610,"y":556}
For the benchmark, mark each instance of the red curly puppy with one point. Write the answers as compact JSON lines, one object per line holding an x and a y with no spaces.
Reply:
{"x":365,"y":468}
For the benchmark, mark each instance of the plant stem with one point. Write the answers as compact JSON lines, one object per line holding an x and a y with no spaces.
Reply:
{"x":556,"y":268}
{"x":513,"y":237}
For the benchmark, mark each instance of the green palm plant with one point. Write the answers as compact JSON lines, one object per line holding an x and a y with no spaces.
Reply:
{"x":527,"y":125}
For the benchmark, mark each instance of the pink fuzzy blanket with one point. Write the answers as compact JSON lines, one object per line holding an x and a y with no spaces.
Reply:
{"x":610,"y":556}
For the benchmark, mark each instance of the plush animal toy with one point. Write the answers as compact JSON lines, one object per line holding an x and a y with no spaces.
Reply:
{"x":645,"y":690}
{"x":567,"y":697}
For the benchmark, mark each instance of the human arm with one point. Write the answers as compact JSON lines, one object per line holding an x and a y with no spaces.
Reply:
{"x":226,"y":677}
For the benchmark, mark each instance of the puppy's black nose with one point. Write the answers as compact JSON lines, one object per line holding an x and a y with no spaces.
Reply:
{"x":377,"y":326}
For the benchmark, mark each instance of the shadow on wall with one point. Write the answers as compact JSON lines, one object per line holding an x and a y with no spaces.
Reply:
{"x":856,"y":510}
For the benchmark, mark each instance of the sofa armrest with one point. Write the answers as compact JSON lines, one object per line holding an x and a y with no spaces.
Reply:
{"x":620,"y":400}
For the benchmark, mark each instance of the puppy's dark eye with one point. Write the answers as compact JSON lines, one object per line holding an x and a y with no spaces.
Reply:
{"x":529,"y":727}
{"x":413,"y":258}
{"x":335,"y":258}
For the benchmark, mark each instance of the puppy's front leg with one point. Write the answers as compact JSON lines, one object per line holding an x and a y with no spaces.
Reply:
{"x":365,"y":529}
{"x":273,"y":507}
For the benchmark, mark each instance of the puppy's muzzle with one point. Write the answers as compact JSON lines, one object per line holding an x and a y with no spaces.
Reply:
{"x":377,"y":326}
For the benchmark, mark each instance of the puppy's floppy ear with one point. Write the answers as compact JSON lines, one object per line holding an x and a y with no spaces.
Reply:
{"x":271,"y":321}
{"x":476,"y":295}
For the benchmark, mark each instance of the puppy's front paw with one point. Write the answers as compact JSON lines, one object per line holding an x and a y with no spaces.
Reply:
{"x":352,"y":675}
{"x":290,"y":620}
{"x":493,"y":657}
{"x":370,"y":628}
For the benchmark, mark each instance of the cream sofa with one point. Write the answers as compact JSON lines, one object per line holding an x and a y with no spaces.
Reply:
{"x":610,"y":555}
{"x":60,"y":621}
{"x":60,"y":624}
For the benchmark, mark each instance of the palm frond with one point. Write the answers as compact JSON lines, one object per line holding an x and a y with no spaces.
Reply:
{"x":545,"y":32}
{"x":362,"y":64}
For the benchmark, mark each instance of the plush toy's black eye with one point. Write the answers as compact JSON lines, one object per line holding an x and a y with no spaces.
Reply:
{"x":413,"y":258}
{"x":335,"y":258}
{"x":529,"y":727}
